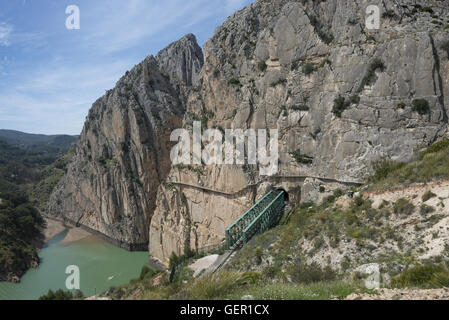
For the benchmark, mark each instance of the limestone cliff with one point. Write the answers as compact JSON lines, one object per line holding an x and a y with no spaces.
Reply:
{"x":121,"y":156}
{"x":340,"y":95}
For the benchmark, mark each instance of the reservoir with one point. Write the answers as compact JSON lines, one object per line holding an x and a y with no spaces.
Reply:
{"x":101,"y":266}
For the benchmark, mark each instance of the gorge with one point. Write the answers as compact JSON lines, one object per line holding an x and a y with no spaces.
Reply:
{"x":341,"y":97}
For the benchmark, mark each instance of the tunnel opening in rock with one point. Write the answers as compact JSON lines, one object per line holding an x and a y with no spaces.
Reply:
{"x":286,"y":195}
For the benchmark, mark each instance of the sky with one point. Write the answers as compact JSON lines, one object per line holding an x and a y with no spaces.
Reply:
{"x":50,"y":75}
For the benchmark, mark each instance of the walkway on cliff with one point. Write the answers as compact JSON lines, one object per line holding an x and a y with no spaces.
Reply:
{"x":227,"y":193}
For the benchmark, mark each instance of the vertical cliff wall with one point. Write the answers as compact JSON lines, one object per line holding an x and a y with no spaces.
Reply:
{"x":340,"y":95}
{"x":122,"y":154}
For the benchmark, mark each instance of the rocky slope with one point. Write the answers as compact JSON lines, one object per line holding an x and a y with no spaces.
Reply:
{"x":340,"y":95}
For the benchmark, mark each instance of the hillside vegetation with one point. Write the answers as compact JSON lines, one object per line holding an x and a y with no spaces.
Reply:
{"x":20,"y":235}
{"x":430,"y":164}
{"x":28,"y":173}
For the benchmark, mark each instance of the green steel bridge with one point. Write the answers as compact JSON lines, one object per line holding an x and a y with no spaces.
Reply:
{"x":257,"y":219}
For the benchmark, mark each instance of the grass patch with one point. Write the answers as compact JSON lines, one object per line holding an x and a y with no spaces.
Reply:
{"x":428,"y":195}
{"x":425,"y":209}
{"x":289,"y":291}
{"x":423,"y":276}
{"x":430,"y":164}
{"x":216,"y":286}
{"x":403,"y":206}
{"x":310,"y":273}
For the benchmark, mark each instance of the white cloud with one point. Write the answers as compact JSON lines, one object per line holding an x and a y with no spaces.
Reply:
{"x":53,"y":95}
{"x":5,"y":33}
{"x":54,"y":98}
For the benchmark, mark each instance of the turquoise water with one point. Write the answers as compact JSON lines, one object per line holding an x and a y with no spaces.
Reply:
{"x":101,"y":266}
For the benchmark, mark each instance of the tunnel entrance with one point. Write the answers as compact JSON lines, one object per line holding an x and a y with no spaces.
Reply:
{"x":286,"y":196}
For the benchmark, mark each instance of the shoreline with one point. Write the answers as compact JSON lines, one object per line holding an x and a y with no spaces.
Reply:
{"x":74,"y":234}
{"x":56,"y":227}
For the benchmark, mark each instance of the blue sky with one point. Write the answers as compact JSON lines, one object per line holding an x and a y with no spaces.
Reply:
{"x":50,"y":76}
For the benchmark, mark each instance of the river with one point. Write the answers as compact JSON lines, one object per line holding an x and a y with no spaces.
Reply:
{"x":101,"y":266}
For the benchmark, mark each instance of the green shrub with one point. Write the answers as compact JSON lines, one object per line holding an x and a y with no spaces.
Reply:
{"x":353,"y":21}
{"x":58,"y":295}
{"x":262,"y":66}
{"x":340,"y":104}
{"x":280,"y":81}
{"x":422,"y":276}
{"x":430,"y":164}
{"x":376,"y":64}
{"x":235,"y":82}
{"x":354,"y":99}
{"x":146,"y":272}
{"x":436,"y":147}
{"x":216,"y":285}
{"x":301,"y":107}
{"x":403,"y":206}
{"x":301,"y":158}
{"x":426,"y":9}
{"x":401,"y":105}
{"x":308,"y":68}
{"x":421,"y":106}
{"x":322,"y":189}
{"x":336,"y":194}
{"x":425,"y":209}
{"x":428,"y":195}
{"x":326,"y":37}
{"x":310,"y":273}
{"x":188,"y":253}
{"x":383,"y":168}
{"x":389,"y":14}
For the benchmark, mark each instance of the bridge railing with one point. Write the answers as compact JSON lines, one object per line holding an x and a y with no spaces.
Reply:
{"x":265,"y":219}
{"x":255,"y":217}
{"x":234,"y":232}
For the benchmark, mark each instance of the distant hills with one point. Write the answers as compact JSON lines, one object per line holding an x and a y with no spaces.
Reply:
{"x":24,"y":156}
{"x":28,"y":140}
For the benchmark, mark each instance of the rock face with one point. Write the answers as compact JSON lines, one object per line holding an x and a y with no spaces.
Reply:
{"x":282,"y":65}
{"x":121,"y":156}
{"x":341,"y":97}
